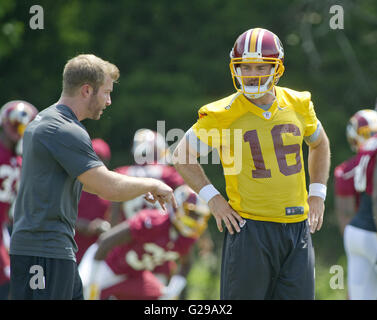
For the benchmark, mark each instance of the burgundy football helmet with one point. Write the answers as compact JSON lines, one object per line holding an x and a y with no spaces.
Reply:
{"x":257,"y":46}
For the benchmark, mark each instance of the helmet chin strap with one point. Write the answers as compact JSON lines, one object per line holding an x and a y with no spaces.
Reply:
{"x":260,"y":95}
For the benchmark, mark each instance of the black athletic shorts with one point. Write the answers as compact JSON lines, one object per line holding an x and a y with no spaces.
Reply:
{"x":40,"y":278}
{"x":268,"y":260}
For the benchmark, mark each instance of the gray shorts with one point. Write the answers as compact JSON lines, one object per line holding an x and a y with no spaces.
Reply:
{"x":268,"y":260}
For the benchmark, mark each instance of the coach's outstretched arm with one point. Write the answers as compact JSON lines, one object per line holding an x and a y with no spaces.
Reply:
{"x":113,"y":186}
{"x":185,"y":161}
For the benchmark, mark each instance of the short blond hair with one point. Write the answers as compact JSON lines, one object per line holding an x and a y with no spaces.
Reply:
{"x":87,"y":69}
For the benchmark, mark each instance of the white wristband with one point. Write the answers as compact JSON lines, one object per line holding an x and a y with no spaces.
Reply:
{"x":318,"y":190}
{"x":208,"y":192}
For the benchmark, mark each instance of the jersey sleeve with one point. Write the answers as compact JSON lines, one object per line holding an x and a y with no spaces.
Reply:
{"x":344,"y":175}
{"x":207,"y":128}
{"x":342,"y":185}
{"x":312,"y":124}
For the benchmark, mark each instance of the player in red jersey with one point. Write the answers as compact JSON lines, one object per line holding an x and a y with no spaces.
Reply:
{"x":93,"y":211}
{"x":360,"y":235}
{"x":151,"y":160}
{"x":354,"y":206}
{"x":361,"y":126}
{"x":137,"y":259}
{"x":14,"y":117}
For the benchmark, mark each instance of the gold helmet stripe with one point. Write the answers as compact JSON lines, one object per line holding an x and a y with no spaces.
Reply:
{"x":253,"y":40}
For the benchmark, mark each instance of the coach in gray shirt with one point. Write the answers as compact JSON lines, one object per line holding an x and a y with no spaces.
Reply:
{"x":58,"y":162}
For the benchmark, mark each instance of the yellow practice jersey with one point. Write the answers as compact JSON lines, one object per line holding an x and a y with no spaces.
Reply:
{"x":261,"y":152}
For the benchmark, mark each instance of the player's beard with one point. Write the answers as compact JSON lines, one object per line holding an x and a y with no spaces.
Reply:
{"x":95,"y":107}
{"x":254,"y":81}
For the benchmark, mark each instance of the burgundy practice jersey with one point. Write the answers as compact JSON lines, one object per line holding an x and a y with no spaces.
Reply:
{"x":344,"y":177}
{"x":155,"y":246}
{"x":10,"y":165}
{"x":366,"y":159}
{"x":162,"y":172}
{"x":363,"y":182}
{"x":90,"y":207}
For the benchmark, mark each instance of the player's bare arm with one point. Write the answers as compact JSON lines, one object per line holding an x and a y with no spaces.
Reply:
{"x":118,"y":187}
{"x":120,"y":234}
{"x":319,"y":166}
{"x":345,"y":209}
{"x":115,"y":213}
{"x":185,"y":161}
{"x":91,"y":227}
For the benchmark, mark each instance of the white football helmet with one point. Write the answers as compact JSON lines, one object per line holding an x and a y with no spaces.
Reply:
{"x":149,"y":147}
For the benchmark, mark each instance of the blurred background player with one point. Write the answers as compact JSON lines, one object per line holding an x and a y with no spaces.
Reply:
{"x":354,"y":205}
{"x":93,"y":211}
{"x":14,"y":117}
{"x":360,"y":235}
{"x":151,"y":157}
{"x":137,"y":258}
{"x":361,"y":126}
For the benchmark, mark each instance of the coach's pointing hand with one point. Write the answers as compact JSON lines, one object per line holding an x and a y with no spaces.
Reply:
{"x":222,"y":211}
{"x":163,"y":194}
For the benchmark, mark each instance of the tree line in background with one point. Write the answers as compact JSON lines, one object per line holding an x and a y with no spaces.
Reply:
{"x":174,"y":56}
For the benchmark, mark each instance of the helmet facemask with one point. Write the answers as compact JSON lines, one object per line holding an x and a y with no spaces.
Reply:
{"x":265,"y":82}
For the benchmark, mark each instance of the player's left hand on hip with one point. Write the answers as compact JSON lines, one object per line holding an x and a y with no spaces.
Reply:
{"x":316,"y":210}
{"x":224,"y":213}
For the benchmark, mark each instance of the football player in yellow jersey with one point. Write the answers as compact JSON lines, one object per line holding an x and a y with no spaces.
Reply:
{"x":258,"y":133}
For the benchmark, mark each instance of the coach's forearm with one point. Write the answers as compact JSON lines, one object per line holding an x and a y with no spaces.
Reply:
{"x":123,"y":188}
{"x":113,"y":186}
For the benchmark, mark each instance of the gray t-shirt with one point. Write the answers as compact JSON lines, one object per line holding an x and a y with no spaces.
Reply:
{"x":56,"y":150}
